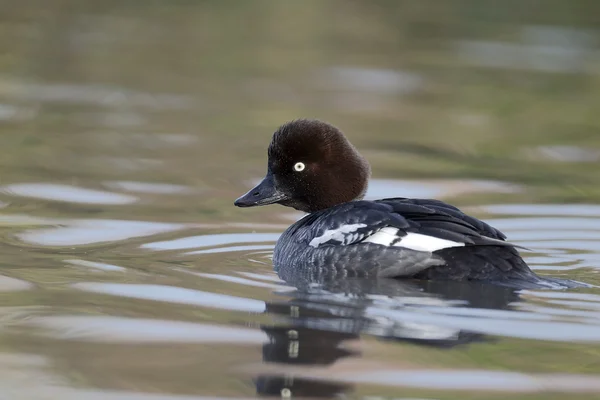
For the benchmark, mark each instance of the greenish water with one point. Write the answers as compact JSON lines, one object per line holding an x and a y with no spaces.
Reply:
{"x":128,"y":128}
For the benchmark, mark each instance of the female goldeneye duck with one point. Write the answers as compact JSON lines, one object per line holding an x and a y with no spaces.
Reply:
{"x":312,"y":167}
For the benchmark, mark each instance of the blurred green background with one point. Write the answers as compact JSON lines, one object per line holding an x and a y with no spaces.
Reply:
{"x":500,"y":90}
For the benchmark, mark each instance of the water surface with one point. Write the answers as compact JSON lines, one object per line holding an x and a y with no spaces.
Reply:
{"x":128,"y":129}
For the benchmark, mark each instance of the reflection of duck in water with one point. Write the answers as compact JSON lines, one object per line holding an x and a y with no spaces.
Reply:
{"x":312,"y":167}
{"x":301,"y":347}
{"x":311,"y":329}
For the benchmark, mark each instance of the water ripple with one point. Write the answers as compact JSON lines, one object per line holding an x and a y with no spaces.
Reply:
{"x":137,"y":330}
{"x":212,"y":240}
{"x":71,"y":194}
{"x":91,"y":231}
{"x":173,"y":294}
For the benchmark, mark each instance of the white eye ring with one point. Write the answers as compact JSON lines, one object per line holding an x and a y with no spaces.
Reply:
{"x":299,"y":167}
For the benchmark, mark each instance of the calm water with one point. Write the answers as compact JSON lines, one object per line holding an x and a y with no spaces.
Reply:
{"x":128,"y":128}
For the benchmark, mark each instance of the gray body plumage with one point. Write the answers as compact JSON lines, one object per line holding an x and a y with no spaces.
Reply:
{"x":335,"y":243}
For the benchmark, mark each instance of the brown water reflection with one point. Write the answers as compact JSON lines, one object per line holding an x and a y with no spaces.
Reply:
{"x":128,"y":128}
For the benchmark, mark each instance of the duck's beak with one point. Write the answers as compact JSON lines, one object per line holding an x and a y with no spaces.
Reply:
{"x":264,"y":193}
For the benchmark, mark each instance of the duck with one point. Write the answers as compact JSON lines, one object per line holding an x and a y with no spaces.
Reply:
{"x":312,"y":167}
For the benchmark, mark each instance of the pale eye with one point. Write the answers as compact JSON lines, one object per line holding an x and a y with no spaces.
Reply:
{"x":299,"y":167}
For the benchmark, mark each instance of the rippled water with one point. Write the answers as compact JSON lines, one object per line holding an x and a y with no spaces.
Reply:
{"x":171,"y":307}
{"x":129,"y":129}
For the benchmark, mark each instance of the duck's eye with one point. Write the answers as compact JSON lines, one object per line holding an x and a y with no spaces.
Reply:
{"x":299,"y":167}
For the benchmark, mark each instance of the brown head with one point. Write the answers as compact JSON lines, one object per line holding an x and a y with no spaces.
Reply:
{"x":311,"y":167}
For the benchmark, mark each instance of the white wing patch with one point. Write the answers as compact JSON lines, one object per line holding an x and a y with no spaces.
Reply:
{"x":388,"y":236}
{"x":385,"y":236}
{"x":342,"y":234}
{"x":417,"y":241}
